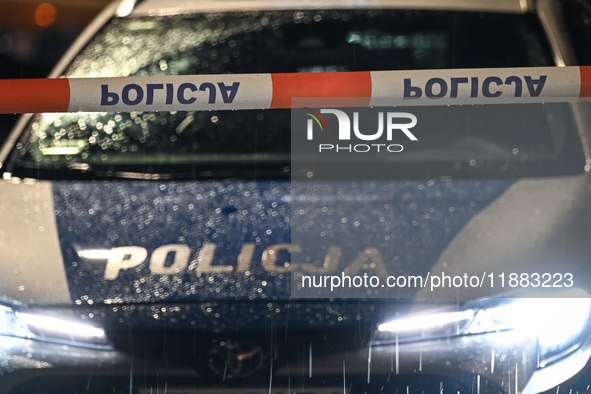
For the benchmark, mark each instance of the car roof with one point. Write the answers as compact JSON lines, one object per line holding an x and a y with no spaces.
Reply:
{"x":173,"y":7}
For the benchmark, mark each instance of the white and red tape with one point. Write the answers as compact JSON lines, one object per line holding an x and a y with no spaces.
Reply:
{"x":260,"y":91}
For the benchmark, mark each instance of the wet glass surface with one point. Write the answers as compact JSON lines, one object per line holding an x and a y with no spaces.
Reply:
{"x":287,"y":41}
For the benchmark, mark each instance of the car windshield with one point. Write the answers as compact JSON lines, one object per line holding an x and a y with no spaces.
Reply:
{"x":503,"y":142}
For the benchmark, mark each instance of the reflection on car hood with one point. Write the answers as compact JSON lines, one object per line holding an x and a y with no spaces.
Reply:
{"x":410,"y":223}
{"x":146,"y":242}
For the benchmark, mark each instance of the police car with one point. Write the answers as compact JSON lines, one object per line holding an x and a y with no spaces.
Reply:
{"x":177,"y":238}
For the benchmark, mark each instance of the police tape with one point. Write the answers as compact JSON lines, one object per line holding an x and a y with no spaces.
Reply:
{"x":262,"y":91}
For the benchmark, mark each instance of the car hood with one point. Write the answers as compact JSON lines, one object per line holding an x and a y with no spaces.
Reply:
{"x":217,"y":240}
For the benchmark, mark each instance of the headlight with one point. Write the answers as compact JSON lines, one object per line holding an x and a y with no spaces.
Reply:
{"x":16,"y":321}
{"x":558,"y":323}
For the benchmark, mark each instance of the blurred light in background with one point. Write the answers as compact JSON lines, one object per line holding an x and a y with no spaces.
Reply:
{"x":5,"y":43}
{"x":45,"y":15}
